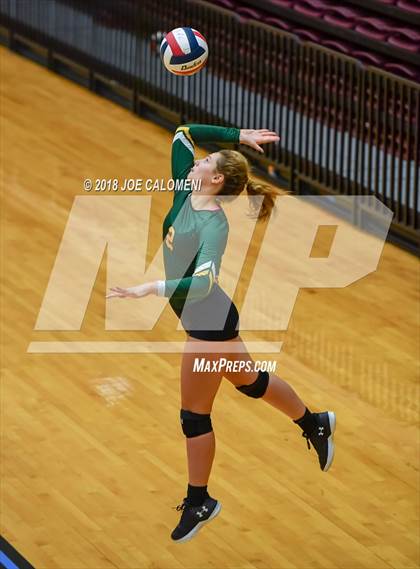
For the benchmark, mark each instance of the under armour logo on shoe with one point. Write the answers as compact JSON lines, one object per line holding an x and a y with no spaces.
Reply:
{"x":320,"y":431}
{"x":202,"y":511}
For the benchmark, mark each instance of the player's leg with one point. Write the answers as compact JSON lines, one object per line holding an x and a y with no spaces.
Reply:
{"x":277,"y":392}
{"x":198,"y":390}
{"x":317,"y":427}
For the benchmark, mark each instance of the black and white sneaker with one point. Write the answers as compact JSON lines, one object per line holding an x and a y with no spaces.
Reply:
{"x":322,"y":438}
{"x":193,"y":518}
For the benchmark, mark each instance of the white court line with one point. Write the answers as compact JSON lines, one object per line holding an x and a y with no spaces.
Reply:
{"x":149,"y":347}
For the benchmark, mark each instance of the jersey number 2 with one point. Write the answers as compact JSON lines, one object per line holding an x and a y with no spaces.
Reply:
{"x":170,"y":238}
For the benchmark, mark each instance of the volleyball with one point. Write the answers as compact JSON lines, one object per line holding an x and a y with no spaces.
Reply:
{"x":184,"y":51}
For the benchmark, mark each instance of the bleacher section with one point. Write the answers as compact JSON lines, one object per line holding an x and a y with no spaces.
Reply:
{"x":382,"y":33}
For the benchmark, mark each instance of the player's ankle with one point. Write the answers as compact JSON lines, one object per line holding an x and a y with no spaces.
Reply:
{"x":196,"y":495}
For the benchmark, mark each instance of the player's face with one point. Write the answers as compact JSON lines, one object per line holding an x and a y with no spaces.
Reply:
{"x":206,"y":171}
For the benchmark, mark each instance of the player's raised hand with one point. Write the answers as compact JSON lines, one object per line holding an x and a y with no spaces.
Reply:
{"x":132,"y":292}
{"x":254,"y":138}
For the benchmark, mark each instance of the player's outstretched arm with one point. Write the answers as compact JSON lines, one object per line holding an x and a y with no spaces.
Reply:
{"x":254,"y":138}
{"x":186,"y":136}
{"x":138,"y":291}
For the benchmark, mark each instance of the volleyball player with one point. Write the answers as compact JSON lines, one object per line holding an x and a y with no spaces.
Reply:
{"x":196,"y":228}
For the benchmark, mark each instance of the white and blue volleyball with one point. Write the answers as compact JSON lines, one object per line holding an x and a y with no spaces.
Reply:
{"x":184,"y":51}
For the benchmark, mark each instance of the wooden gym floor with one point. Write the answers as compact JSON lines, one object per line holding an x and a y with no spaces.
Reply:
{"x":93,"y":458}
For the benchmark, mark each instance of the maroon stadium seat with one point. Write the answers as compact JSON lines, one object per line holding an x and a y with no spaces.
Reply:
{"x":308,"y":35}
{"x":282,"y":3}
{"x":343,"y":17}
{"x":277,"y":23}
{"x":338,"y":46}
{"x":228,"y":4}
{"x":311,"y":8}
{"x":409,"y":5}
{"x":403,"y":69}
{"x":410,"y":33}
{"x":368,"y":57}
{"x":249,"y":13}
{"x":406,"y":38}
{"x":375,"y":28}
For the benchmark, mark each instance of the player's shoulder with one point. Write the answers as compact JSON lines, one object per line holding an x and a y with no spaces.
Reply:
{"x":218,"y":221}
{"x":182,"y":134}
{"x":223,"y":220}
{"x":183,"y":129}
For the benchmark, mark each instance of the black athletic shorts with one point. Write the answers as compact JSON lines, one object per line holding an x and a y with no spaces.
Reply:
{"x":210,"y":312}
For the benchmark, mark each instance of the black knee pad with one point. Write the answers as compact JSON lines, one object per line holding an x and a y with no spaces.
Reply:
{"x":195,"y":424}
{"x":258,"y":388}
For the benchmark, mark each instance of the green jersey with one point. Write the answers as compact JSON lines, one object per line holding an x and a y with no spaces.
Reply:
{"x":194,"y":240}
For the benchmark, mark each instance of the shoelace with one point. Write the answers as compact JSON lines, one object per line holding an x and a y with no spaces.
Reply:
{"x":306,"y":435}
{"x":181,"y":507}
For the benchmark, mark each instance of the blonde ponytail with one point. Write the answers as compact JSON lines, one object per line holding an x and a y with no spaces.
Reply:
{"x":235,"y":168}
{"x":257,"y":209}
